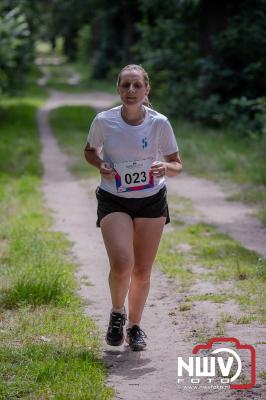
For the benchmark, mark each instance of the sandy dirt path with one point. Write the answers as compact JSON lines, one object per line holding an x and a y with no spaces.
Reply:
{"x":150,"y":374}
{"x":233,"y":218}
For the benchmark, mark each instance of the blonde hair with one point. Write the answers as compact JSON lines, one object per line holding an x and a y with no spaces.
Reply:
{"x":135,"y":67}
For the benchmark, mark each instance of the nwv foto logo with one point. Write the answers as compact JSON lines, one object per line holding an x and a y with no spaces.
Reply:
{"x":216,"y":366}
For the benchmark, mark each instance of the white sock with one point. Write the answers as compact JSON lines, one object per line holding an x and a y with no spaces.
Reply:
{"x":130,"y":324}
{"x":119,"y":310}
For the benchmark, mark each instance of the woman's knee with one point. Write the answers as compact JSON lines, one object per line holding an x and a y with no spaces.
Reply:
{"x":142,"y":273}
{"x":121,"y":267}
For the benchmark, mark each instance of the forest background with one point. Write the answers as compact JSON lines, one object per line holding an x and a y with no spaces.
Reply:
{"x":206,"y":59}
{"x":206,"y":62}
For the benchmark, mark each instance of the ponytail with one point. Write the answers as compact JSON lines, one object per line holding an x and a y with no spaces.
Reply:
{"x":146,"y":102}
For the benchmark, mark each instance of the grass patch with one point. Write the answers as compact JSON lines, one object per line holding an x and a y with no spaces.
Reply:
{"x":185,"y":307}
{"x":240,"y":160}
{"x":71,"y":127}
{"x":181,"y":209}
{"x":18,"y":153}
{"x":35,"y":266}
{"x":108,"y":85}
{"x":244,"y":320}
{"x":60,"y":79}
{"x":235,"y":319}
{"x":201,"y":334}
{"x":48,"y":347}
{"x":262,"y":374}
{"x":57,"y":355}
{"x":226,"y":318}
{"x":213,"y":297}
{"x":174,"y":263}
{"x":197,"y":251}
{"x":222,"y":257}
{"x":219,"y":329}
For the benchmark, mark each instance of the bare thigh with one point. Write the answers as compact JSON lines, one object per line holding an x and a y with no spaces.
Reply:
{"x":117,"y":231}
{"x":147,"y":235}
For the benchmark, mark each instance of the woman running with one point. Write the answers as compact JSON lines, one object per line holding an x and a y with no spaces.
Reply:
{"x":126,"y":144}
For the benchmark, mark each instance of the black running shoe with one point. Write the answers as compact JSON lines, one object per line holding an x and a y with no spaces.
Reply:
{"x":135,"y":338}
{"x":115,"y":335}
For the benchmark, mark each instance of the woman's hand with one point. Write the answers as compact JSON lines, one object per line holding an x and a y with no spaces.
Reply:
{"x":172,"y":166}
{"x":106,"y":171}
{"x":159,"y":168}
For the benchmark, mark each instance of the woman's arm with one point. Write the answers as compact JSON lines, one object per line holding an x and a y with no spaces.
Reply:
{"x":173,"y":164}
{"x":171,"y":167}
{"x":93,"y":158}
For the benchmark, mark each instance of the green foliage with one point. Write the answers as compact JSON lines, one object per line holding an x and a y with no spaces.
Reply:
{"x":15,"y":54}
{"x":237,"y":63}
{"x":206,"y":60}
{"x":64,"y":19}
{"x":243,"y":114}
{"x":231,"y":78}
{"x":224,"y":84}
{"x":19,"y":146}
{"x":240,"y":160}
{"x":83,"y":44}
{"x":70,"y":125}
{"x":168,"y":49}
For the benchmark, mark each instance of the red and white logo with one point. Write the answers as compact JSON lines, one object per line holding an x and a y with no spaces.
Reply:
{"x":225,"y":363}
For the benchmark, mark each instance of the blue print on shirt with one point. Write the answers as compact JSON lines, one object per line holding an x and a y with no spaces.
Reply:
{"x":144,"y":143}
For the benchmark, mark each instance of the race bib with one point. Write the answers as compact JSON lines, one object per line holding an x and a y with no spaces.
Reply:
{"x":133,"y":175}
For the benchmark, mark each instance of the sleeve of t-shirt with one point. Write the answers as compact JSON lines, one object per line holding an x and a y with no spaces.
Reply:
{"x":95,"y":136}
{"x":167,"y":142}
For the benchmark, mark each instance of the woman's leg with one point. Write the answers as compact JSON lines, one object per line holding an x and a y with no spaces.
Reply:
{"x":147,"y":235}
{"x":117,"y":231}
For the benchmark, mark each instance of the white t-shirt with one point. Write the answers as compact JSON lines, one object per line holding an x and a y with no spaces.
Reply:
{"x":131,"y":149}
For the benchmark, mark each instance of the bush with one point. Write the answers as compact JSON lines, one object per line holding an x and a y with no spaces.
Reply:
{"x":211,"y":73}
{"x":84,"y":44}
{"x":15,"y":54}
{"x":247,"y":116}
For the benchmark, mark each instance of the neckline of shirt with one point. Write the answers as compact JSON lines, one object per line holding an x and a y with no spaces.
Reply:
{"x":123,"y":122}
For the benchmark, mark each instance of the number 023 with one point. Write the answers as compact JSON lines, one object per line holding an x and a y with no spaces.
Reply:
{"x":136,"y":177}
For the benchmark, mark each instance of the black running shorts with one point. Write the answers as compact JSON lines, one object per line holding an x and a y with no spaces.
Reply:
{"x":147,"y":207}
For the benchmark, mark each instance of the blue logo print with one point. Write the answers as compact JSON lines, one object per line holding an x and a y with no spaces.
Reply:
{"x":144,"y":143}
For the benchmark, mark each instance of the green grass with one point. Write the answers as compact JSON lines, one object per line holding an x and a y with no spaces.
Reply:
{"x":57,"y":356}
{"x":213,"y":297}
{"x":262,"y":374}
{"x":198,"y":251}
{"x":48,"y":347}
{"x":185,"y":307}
{"x":226,"y":318}
{"x":59,"y":75}
{"x":222,"y":155}
{"x":71,"y":126}
{"x":108,"y":85}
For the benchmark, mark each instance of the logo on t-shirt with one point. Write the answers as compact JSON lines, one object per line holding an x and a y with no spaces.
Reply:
{"x":144,"y":143}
